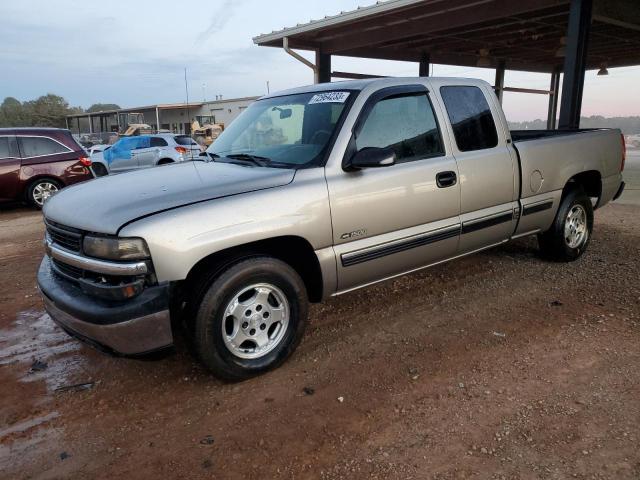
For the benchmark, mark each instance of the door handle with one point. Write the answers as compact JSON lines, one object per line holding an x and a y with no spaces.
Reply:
{"x":446,"y":179}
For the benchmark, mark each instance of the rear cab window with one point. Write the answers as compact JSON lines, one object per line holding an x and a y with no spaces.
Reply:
{"x":40,"y":146}
{"x":470,"y":117}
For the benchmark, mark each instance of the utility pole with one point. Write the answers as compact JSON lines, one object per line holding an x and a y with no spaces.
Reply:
{"x":186,"y":89}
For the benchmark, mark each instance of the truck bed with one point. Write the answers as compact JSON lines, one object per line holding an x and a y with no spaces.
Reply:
{"x":524,"y":135}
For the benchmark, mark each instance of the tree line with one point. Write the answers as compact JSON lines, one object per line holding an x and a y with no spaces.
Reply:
{"x":46,"y":111}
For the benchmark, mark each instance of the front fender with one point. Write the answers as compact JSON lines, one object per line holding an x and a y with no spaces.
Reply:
{"x":179,"y":238}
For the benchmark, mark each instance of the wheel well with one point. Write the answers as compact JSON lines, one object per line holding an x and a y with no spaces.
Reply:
{"x":295,"y":251}
{"x":99,"y":166}
{"x":164,"y":161}
{"x":590,"y":181}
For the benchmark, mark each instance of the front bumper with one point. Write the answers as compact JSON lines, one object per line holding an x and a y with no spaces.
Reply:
{"x":132,"y":327}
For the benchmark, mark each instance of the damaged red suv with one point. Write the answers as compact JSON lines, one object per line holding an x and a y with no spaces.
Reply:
{"x":37,"y":162}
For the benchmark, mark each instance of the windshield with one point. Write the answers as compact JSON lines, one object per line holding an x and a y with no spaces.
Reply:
{"x":290,"y":131}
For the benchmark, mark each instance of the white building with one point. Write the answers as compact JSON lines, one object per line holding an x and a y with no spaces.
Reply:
{"x":176,"y":117}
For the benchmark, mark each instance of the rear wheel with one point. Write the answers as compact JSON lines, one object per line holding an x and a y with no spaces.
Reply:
{"x":251,"y":318}
{"x":40,"y":191}
{"x":569,"y":236}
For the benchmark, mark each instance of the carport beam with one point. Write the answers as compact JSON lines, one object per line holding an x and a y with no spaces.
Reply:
{"x":499,"y":84}
{"x":157,"y":119}
{"x":425,"y":63}
{"x":575,"y":63}
{"x":323,"y":67}
{"x":553,"y":99}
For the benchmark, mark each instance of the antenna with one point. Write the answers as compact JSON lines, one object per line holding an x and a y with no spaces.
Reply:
{"x":268,"y":87}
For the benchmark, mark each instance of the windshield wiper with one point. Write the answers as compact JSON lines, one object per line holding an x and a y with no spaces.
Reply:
{"x":255,"y":159}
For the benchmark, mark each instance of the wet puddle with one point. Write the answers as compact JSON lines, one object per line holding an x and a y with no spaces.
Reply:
{"x":36,"y":351}
{"x":36,"y":342}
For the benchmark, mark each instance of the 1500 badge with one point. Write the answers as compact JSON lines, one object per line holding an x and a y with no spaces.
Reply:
{"x":355,"y":234}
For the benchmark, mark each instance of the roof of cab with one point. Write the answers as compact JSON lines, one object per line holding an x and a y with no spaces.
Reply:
{"x":369,"y":82}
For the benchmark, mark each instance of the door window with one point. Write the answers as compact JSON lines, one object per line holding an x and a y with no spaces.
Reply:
{"x":471,"y":118}
{"x":141,"y":142}
{"x":407,"y":124}
{"x":39,"y":146}
{"x":158,"y":142}
{"x":4,"y":148}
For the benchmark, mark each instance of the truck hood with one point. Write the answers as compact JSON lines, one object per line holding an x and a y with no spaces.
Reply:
{"x":105,"y":204}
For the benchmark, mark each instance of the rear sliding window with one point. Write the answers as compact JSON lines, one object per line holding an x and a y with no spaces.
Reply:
{"x":39,"y":146}
{"x":470,"y":116}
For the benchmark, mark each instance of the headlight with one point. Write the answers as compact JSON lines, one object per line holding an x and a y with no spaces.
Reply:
{"x":116,"y":248}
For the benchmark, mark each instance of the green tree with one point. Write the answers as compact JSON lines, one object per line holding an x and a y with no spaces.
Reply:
{"x":48,"y":111}
{"x":13,"y":114}
{"x":102,"y":107}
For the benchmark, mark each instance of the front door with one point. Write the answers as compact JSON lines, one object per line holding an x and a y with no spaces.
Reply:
{"x":121,"y":156}
{"x":390,"y":220}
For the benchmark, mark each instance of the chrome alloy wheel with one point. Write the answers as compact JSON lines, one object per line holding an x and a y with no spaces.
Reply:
{"x":42,"y":191}
{"x":576,"y":231}
{"x":255,"y":321}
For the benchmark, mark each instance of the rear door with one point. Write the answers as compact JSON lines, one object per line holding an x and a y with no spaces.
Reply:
{"x":487,"y":166}
{"x":9,"y":167}
{"x":149,"y":151}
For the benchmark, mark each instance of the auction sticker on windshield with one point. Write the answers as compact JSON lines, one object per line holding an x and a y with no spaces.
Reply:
{"x":329,"y":97}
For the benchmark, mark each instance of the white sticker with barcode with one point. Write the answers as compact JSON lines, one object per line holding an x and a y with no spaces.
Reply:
{"x":329,"y":97}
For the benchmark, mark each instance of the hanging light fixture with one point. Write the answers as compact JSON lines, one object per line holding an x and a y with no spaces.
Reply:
{"x":562,"y":50}
{"x":483,"y":59}
{"x":603,"y":69}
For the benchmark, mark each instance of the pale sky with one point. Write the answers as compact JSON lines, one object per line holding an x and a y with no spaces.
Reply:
{"x":134,"y":53}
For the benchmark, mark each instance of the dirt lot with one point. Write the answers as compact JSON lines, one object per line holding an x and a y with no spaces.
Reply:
{"x":498,"y":365}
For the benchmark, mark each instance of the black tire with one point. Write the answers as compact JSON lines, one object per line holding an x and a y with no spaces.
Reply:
{"x":99,"y":170}
{"x":34,"y":192}
{"x":554,"y":243}
{"x":211,"y":343}
{"x":165,"y":161}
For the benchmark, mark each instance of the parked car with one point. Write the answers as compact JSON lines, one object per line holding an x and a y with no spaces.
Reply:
{"x":37,"y":162}
{"x":144,"y":151}
{"x":312,"y":193}
{"x":96,"y":148}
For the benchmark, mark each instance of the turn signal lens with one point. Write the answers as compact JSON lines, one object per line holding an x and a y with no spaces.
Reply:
{"x":181,"y":150}
{"x":85,"y":161}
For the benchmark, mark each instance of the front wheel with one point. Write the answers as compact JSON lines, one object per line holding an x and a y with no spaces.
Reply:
{"x":569,"y":236}
{"x":251,"y":318}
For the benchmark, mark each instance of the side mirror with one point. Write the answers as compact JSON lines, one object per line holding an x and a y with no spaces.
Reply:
{"x":372,"y":157}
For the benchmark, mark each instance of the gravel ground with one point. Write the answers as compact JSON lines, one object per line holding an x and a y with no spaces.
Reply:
{"x":498,"y":365}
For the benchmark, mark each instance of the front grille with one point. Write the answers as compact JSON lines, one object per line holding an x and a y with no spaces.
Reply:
{"x":64,"y":237}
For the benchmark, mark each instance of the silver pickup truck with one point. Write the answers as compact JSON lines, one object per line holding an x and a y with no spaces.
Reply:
{"x":311,"y":193}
